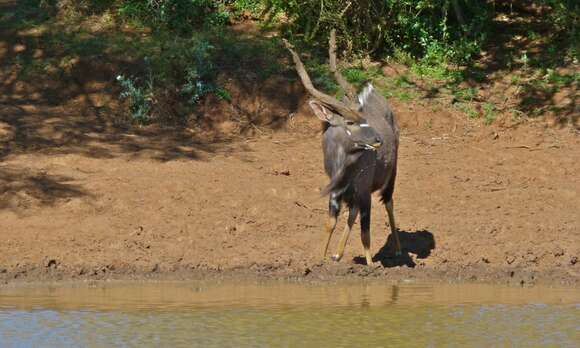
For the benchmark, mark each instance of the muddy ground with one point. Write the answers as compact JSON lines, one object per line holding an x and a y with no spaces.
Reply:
{"x":84,"y":197}
{"x":474,"y":202}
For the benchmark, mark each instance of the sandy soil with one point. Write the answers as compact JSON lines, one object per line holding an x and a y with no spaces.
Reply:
{"x":473,"y":202}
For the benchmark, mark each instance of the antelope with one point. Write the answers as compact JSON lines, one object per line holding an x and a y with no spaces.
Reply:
{"x":360,"y":145}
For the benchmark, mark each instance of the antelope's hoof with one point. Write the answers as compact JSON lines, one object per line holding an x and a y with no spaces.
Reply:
{"x":336,"y":257}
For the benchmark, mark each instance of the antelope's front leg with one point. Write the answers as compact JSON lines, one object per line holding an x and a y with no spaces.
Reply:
{"x":333,"y":211}
{"x":353,"y":212}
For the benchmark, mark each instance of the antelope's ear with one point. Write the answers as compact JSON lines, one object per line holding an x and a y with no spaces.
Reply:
{"x":324,"y":114}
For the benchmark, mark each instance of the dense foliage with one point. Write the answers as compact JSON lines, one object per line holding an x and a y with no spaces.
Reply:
{"x":419,"y":27}
{"x":183,"y":43}
{"x":565,"y":18}
{"x":454,"y":29}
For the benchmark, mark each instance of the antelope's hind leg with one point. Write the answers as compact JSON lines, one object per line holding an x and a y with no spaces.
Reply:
{"x":352,"y":213}
{"x":387,"y":196}
{"x":333,"y":211}
{"x":365,"y":227}
{"x":394,"y":230}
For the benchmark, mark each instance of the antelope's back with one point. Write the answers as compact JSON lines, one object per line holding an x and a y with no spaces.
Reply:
{"x":380,"y":116}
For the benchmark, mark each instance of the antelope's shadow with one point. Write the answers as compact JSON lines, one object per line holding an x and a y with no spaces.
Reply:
{"x":420,"y":243}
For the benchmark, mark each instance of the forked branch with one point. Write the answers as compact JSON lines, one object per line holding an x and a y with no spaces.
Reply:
{"x":349,"y":90}
{"x":325,"y":99}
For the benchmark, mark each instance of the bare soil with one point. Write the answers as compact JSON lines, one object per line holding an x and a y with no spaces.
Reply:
{"x":473,"y":202}
{"x":82,"y":197}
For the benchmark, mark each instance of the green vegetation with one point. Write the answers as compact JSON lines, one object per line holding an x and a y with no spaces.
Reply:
{"x":140,"y":97}
{"x":489,"y":113}
{"x":179,"y":51}
{"x":431,"y":29}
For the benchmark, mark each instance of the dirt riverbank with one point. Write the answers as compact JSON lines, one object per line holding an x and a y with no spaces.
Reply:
{"x":494,"y":204}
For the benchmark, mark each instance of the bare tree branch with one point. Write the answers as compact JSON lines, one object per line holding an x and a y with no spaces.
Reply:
{"x":325,"y":99}
{"x":349,"y":90}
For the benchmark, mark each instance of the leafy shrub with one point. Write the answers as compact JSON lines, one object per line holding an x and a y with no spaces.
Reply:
{"x":419,"y":27}
{"x":253,"y":6}
{"x":188,"y":66}
{"x":182,"y":16}
{"x":140,"y":97}
{"x":201,"y":74}
{"x":565,"y":16}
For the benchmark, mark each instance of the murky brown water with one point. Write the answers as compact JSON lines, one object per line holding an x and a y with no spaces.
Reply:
{"x":289,"y":315}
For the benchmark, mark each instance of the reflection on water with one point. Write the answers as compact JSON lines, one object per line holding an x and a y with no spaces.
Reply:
{"x":288,"y":315}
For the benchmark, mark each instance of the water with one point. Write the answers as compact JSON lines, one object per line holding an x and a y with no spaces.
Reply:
{"x":289,"y":315}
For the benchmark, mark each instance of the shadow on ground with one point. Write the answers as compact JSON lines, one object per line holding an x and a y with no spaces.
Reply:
{"x":59,"y":96}
{"x":58,"y":89}
{"x":21,"y":188}
{"x":420,"y":243}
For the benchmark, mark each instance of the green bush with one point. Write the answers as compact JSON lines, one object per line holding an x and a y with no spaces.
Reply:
{"x":182,"y":16}
{"x":565,"y":17}
{"x":140,"y":97}
{"x":187,"y":65}
{"x":200,"y":74}
{"x":423,"y":28}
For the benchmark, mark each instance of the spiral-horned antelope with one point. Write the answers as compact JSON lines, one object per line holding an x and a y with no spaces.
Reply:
{"x":360,"y":144}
